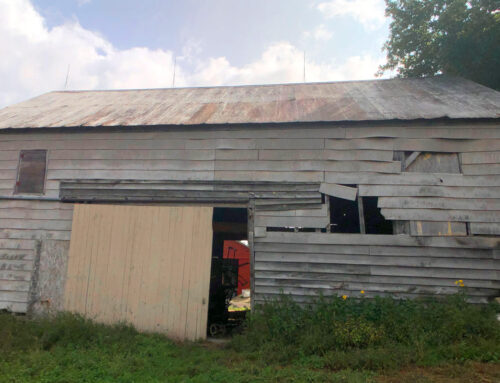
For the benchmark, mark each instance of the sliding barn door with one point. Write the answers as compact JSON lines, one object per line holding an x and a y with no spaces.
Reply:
{"x":145,"y":265}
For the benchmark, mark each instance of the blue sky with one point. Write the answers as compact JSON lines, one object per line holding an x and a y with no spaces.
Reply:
{"x":133,"y":44}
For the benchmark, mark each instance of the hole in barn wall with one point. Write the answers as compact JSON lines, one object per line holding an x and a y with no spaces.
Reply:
{"x":344,"y":216}
{"x":375,"y":223}
{"x":230,"y":277}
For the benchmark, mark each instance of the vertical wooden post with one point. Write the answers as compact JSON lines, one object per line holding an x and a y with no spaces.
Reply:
{"x":362,"y":228}
{"x":250,"y":229}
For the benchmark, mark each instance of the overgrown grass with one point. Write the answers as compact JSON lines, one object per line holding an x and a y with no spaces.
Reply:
{"x":334,"y":341}
{"x":377,"y":334}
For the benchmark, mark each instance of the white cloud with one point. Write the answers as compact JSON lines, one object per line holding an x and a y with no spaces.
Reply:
{"x":35,"y":60}
{"x":83,"y":2}
{"x":281,"y":63}
{"x":370,"y":13}
{"x":320,"y":33}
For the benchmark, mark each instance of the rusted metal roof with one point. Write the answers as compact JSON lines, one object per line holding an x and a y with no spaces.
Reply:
{"x":394,"y":99}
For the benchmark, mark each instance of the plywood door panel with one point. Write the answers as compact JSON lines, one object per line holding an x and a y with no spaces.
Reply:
{"x":145,"y":265}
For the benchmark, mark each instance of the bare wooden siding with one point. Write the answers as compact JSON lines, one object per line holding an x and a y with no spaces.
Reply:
{"x":23,"y":224}
{"x":360,"y":155}
{"x":144,"y":265}
{"x":308,"y":264}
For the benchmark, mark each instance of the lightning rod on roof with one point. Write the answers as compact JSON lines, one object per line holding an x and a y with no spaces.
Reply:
{"x":173,"y":77}
{"x":304,"y":66}
{"x":67,"y":77}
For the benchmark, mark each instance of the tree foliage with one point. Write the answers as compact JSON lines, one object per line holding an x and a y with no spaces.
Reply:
{"x":454,"y":37}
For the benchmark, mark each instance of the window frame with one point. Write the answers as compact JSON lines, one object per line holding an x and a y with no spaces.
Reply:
{"x":17,"y":184}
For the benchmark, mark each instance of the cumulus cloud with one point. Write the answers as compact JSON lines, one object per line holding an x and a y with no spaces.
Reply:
{"x":281,"y":63}
{"x":35,"y":60}
{"x":83,"y":2}
{"x":370,"y":13}
{"x":320,"y":33}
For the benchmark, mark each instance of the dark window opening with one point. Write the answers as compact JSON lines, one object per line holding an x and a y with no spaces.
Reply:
{"x":375,"y":223}
{"x":344,"y":216}
{"x":230,"y":271}
{"x":31,"y":172}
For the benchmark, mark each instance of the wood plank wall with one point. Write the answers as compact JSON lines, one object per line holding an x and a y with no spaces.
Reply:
{"x":148,"y":266}
{"x":308,"y":264}
{"x":361,"y":155}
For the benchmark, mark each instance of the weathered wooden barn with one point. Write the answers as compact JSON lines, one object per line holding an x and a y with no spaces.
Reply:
{"x":109,"y":199}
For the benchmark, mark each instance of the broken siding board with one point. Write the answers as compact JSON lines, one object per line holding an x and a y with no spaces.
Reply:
{"x":416,"y":179}
{"x":490,"y":228}
{"x":422,"y":132}
{"x":410,"y":144}
{"x":446,"y":145}
{"x":439,"y":203}
{"x":429,"y":191}
{"x":339,"y":191}
{"x":435,"y":163}
{"x":440,"y":215}
{"x":481,"y":158}
{"x":481,"y":169}
{"x":259,"y":231}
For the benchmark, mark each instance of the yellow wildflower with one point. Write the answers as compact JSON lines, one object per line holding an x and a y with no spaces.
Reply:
{"x":344,"y":297}
{"x":362,"y":291}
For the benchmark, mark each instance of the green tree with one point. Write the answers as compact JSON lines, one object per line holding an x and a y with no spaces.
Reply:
{"x":454,"y":37}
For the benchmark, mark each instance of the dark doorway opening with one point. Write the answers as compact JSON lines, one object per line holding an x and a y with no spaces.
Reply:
{"x":229,"y":298}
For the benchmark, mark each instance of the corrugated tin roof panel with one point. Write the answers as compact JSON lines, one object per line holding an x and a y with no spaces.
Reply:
{"x":403,"y":99}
